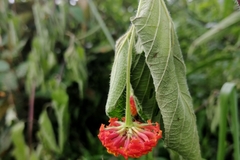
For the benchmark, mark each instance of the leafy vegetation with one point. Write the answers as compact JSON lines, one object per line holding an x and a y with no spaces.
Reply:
{"x":55,"y":66}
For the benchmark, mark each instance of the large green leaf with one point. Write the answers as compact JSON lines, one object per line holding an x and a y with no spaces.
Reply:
{"x":156,"y":34}
{"x":116,"y":101}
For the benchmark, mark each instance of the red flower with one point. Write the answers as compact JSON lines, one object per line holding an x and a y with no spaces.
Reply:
{"x":133,"y":106}
{"x":133,"y":141}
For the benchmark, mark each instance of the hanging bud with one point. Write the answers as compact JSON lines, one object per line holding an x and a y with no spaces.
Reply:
{"x":133,"y":106}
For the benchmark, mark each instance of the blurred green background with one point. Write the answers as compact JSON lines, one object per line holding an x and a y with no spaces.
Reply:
{"x":55,"y":63}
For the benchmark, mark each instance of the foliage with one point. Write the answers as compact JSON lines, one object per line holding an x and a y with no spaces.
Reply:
{"x":56,"y":61}
{"x":158,"y":41}
{"x":228,"y":99}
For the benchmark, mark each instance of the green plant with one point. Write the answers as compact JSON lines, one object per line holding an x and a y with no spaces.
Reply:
{"x":165,"y":79}
{"x":55,"y":63}
{"x":228,"y":103}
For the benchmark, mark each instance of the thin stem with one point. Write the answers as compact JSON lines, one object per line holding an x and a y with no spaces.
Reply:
{"x":128,"y":85}
{"x":31,"y":115}
{"x":89,"y":33}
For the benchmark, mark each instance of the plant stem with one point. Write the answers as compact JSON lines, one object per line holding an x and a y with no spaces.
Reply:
{"x":128,"y":85}
{"x":31,"y":115}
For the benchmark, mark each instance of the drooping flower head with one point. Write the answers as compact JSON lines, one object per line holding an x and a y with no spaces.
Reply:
{"x":129,"y":141}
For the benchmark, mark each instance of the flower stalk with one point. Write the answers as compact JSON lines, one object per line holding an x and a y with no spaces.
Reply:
{"x":128,"y":85}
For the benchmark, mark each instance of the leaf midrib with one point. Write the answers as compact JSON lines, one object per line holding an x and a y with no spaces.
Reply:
{"x":117,"y":64}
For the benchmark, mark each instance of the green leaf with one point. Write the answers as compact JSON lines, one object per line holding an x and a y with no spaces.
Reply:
{"x":76,"y":66}
{"x":60,"y":104}
{"x":155,"y":31}
{"x":227,"y":7}
{"x":115,"y":106}
{"x":35,"y":74}
{"x":9,"y":80}
{"x":76,"y":13}
{"x":21,"y":69}
{"x":13,"y":39}
{"x":4,"y":66}
{"x":228,"y":102}
{"x":20,"y":150}
{"x":46,"y":134}
{"x":5,"y":139}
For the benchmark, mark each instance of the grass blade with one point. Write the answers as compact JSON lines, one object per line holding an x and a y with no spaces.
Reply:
{"x":101,"y":23}
{"x":228,"y":98}
{"x":210,"y":34}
